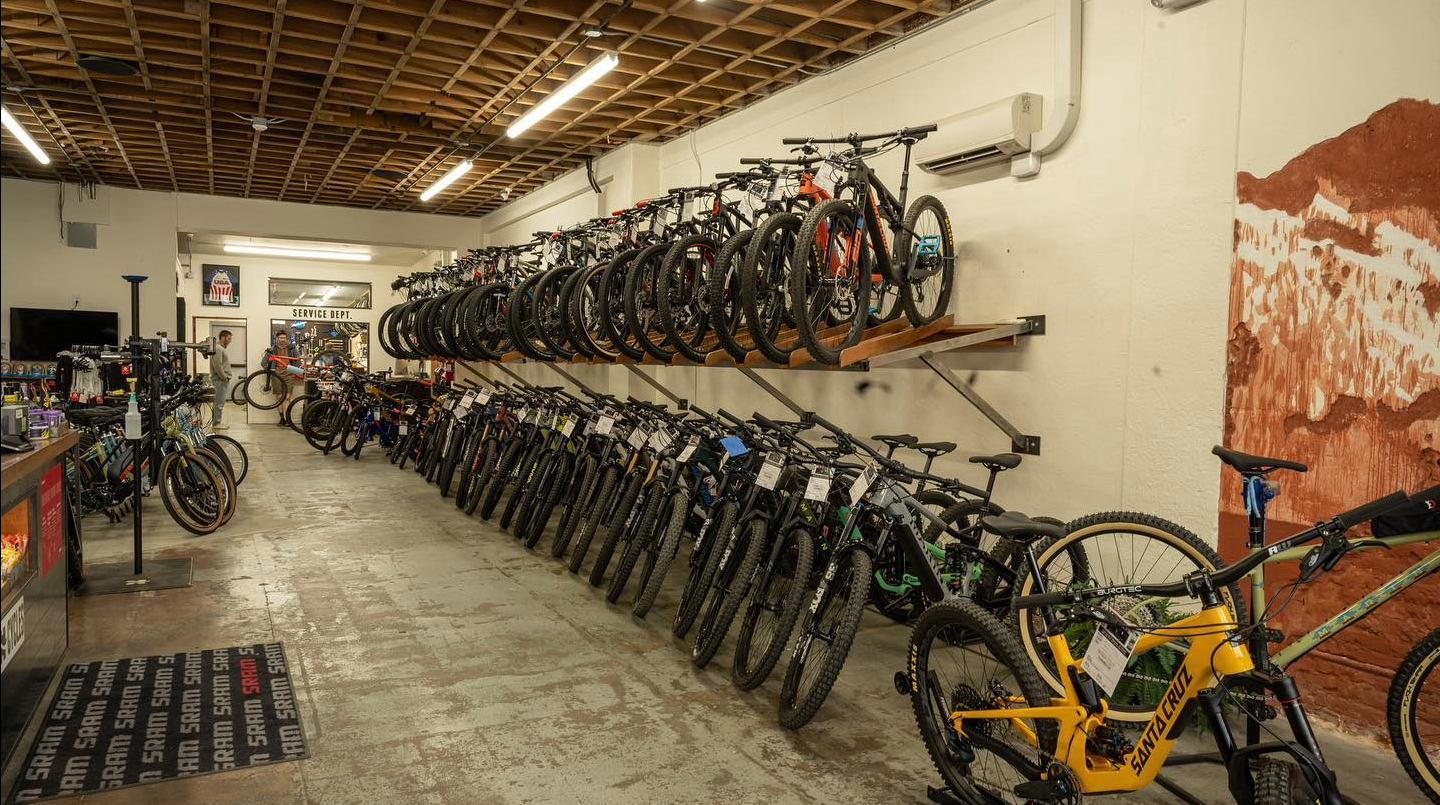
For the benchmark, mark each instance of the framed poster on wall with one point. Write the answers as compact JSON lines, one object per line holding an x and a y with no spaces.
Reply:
{"x":221,"y":285}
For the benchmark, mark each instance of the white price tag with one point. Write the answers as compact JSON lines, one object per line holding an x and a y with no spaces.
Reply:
{"x":410,"y":410}
{"x":861,"y":485}
{"x":657,"y":222}
{"x":690,"y":448}
{"x":776,"y":185}
{"x":448,"y":403}
{"x":769,"y":474}
{"x":828,"y":176}
{"x":460,"y":413}
{"x":483,"y":397}
{"x":818,"y":488}
{"x":638,"y":437}
{"x":467,"y":399}
{"x":404,"y":429}
{"x":1108,"y":654}
{"x":605,"y":425}
{"x":590,"y":426}
{"x":569,"y":427}
{"x":521,"y":414}
{"x":659,"y":440}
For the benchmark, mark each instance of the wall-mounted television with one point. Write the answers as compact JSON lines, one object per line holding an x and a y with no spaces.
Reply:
{"x":38,"y":334}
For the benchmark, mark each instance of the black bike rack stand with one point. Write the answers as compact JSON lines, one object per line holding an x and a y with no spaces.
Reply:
{"x":134,"y":576}
{"x":680,"y":402}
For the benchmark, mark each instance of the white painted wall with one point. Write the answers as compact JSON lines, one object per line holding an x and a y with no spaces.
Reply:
{"x":1122,"y":242}
{"x":38,"y":270}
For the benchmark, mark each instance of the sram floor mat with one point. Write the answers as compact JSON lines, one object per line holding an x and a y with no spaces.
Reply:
{"x":139,"y":720}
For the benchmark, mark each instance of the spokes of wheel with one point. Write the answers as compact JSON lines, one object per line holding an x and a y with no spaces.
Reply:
{"x":682,"y":288}
{"x":929,"y":253}
{"x":961,"y":658}
{"x":829,"y":281}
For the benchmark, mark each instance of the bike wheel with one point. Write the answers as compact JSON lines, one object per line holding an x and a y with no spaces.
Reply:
{"x":575,"y":507}
{"x":825,"y":641}
{"x":770,"y":618}
{"x":641,"y":302}
{"x":829,"y":281}
{"x":320,"y":423}
{"x":265,"y":389}
{"x":658,"y":560}
{"x":480,"y":476}
{"x":526,"y":478}
{"x":682,"y":285}
{"x":728,"y":590}
{"x":538,"y":485}
{"x":763,"y":285}
{"x":640,"y":539}
{"x":619,"y":522}
{"x":496,"y":486}
{"x":562,"y":480}
{"x":1412,"y":711}
{"x":727,"y":313}
{"x":235,"y":452}
{"x":610,"y":298}
{"x":183,"y":484}
{"x":610,"y":478}
{"x":703,"y":562}
{"x":295,"y":411}
{"x":961,"y":658}
{"x":1120,"y":548}
{"x":928,"y":275}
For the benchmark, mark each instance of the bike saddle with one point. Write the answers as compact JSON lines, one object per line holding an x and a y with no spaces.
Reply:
{"x":997,"y":463}
{"x":1016,"y":526}
{"x":899,"y":440}
{"x":933,"y":449}
{"x":1244,"y":462}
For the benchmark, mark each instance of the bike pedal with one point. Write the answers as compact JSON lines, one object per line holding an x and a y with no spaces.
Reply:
{"x":902,"y":683}
{"x":1052,"y":790}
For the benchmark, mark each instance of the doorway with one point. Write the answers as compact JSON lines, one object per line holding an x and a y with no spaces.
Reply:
{"x":206,"y":327}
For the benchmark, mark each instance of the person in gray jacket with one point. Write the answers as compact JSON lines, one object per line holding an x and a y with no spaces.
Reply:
{"x":220,"y":376}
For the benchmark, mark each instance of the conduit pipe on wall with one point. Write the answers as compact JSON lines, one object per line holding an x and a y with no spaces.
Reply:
{"x":1065,"y":101}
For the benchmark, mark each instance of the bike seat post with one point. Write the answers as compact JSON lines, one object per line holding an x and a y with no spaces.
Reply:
{"x":990,"y":484}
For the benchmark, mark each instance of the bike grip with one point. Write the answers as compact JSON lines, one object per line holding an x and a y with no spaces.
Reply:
{"x":729,"y":417}
{"x":1373,"y":509}
{"x":1039,"y":600}
{"x":765,"y":422}
{"x":1425,"y":496}
{"x":920,"y":129}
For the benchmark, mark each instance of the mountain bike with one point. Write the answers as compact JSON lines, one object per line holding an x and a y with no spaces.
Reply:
{"x":841,"y":246}
{"x":997,"y":734}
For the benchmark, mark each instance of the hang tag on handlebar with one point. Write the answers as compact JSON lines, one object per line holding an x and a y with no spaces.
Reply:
{"x":862,"y":484}
{"x":769,"y":474}
{"x":818,"y":487}
{"x":660,"y":440}
{"x":828,"y":176}
{"x":638,"y":437}
{"x":1108,"y":654}
{"x":569,"y":427}
{"x":404,"y":429}
{"x":448,"y":403}
{"x":467,"y":399}
{"x":521,"y":414}
{"x":410,"y":410}
{"x":483,"y":397}
{"x":690,"y":448}
{"x":589,"y":426}
{"x":604,"y":425}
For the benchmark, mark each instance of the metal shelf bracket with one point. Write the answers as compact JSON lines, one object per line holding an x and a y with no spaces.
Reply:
{"x":680,"y":402}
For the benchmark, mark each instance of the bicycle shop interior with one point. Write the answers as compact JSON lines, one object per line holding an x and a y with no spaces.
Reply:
{"x":873,"y":401}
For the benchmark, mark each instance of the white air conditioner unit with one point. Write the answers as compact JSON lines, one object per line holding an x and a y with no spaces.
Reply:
{"x":984,"y":136}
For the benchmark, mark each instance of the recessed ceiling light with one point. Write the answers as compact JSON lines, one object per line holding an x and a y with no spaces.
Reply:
{"x":107,"y":65}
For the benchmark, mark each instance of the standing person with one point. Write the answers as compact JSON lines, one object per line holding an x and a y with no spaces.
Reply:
{"x":291,"y":370}
{"x":220,"y":376}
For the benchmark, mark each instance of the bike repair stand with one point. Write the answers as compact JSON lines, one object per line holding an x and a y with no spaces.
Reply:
{"x":134,"y":576}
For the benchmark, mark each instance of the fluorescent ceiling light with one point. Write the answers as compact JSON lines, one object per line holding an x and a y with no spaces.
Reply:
{"x":329,"y":293}
{"x":23,"y":136}
{"x":447,"y":180}
{"x":298,"y":298}
{"x":568,"y":90}
{"x":312,"y":254}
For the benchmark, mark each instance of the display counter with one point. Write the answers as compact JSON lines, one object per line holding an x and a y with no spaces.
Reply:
{"x":33,"y":591}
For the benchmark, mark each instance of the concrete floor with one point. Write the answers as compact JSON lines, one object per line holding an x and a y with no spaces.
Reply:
{"x":438,"y":661}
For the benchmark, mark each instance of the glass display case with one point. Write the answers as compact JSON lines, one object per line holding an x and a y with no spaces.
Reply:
{"x":16,"y":526}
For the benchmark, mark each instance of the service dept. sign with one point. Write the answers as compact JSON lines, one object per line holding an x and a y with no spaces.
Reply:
{"x":319,"y":313}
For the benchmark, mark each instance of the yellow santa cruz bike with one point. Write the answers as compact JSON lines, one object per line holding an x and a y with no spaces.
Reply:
{"x":998,"y":734}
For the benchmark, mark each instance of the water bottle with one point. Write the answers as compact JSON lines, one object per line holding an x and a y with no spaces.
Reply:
{"x":132,"y":417}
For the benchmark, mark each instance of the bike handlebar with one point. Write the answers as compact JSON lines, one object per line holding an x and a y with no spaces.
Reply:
{"x":1228,"y":575}
{"x":851,"y":139}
